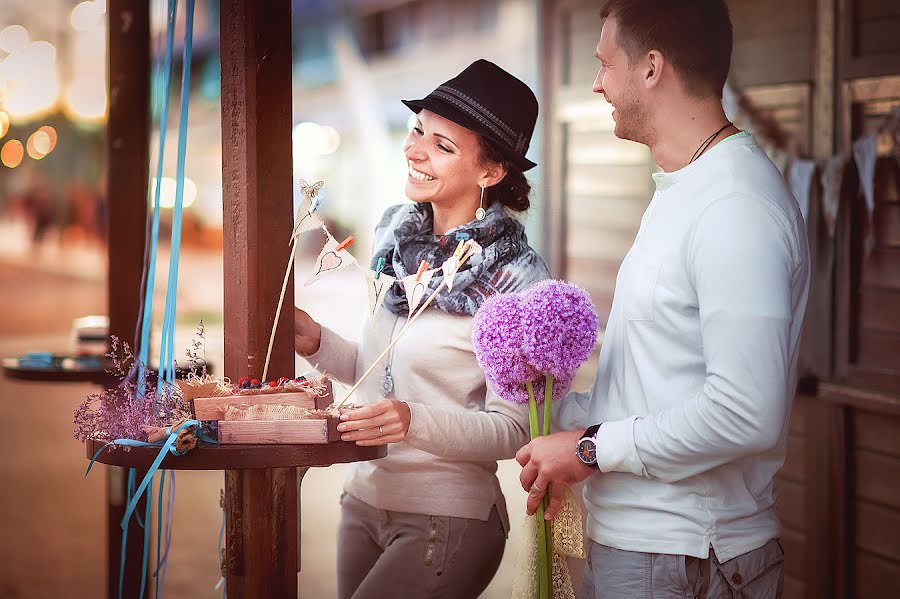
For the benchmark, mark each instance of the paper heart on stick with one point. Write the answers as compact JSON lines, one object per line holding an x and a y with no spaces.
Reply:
{"x":377,"y":291}
{"x":330,"y":260}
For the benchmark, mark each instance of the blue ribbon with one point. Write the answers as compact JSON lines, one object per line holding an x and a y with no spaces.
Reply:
{"x":150,"y":263}
{"x":166,"y":446}
{"x":166,"y":358}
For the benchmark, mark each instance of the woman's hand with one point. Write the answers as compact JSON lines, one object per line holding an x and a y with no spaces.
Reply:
{"x":380,"y":423}
{"x":307,"y":333}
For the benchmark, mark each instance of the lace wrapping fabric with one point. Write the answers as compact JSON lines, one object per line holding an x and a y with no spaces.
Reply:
{"x":568,"y":541}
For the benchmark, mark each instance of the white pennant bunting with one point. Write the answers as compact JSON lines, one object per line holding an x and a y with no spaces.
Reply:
{"x":330,"y":260}
{"x":377,"y":290}
{"x":865,"y":155}
{"x":450,"y":268}
{"x":832,"y":174}
{"x":415,"y":290}
{"x":800,"y":181}
{"x":306,"y":219}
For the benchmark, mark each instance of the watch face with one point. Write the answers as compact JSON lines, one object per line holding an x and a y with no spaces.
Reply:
{"x":587,"y":451}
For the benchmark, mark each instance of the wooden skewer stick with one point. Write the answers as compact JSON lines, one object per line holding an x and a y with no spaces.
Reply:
{"x":287,"y":274}
{"x":418,"y":313}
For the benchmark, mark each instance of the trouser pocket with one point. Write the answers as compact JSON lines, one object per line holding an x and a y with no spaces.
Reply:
{"x":757,"y":574}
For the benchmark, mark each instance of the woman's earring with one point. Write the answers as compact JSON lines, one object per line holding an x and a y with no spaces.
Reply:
{"x":479,"y":214}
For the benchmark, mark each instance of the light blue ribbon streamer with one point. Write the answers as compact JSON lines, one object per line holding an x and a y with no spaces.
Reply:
{"x":147,"y":308}
{"x":166,"y":364}
{"x":134,"y":495}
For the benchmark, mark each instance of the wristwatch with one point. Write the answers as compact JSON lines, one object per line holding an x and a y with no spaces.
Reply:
{"x":587,"y":446}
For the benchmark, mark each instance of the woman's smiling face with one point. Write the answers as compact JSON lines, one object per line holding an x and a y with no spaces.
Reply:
{"x":443,"y":161}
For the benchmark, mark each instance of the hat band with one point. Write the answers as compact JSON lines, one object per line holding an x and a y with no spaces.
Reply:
{"x":482,"y":115}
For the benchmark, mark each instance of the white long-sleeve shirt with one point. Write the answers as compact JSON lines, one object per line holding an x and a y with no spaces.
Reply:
{"x":698,"y":365}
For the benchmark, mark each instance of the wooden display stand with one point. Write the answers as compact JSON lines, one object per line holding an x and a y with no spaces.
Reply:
{"x":261,"y":481}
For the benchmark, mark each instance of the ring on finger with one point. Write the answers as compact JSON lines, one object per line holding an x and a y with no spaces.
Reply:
{"x":537,"y":489}
{"x":380,"y":431}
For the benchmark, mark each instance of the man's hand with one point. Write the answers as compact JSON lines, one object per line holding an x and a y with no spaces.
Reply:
{"x":551,"y":462}
{"x":379,"y":423}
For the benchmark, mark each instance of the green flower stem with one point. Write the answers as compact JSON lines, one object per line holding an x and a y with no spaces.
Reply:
{"x":532,"y":412}
{"x":543,"y":580}
{"x":548,"y":402}
{"x":548,"y":405}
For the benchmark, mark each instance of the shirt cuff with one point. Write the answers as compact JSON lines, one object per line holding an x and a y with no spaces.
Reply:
{"x":416,"y":420}
{"x":616,"y":451}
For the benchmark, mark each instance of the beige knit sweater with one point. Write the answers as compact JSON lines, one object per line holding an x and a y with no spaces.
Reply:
{"x":447,"y":464}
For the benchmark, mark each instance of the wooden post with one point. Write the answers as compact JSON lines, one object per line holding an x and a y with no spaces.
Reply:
{"x":261,"y":505}
{"x":128,"y":150}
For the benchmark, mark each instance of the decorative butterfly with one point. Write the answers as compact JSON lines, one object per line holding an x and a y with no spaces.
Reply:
{"x":311,"y":191}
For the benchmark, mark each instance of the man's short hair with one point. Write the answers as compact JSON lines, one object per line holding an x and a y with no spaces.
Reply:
{"x":695,"y":36}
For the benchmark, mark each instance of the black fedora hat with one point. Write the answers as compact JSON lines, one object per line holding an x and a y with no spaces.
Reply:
{"x":489,"y":101}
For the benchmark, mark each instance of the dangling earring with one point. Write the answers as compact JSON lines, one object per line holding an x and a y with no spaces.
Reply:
{"x":479,"y":214}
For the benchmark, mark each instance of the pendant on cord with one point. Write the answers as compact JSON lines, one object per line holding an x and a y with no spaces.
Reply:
{"x":387,"y":382}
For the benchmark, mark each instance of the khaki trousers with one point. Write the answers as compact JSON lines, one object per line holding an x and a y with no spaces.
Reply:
{"x":384,"y":554}
{"x":616,"y":574}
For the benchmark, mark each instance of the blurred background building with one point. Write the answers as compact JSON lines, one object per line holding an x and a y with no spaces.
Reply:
{"x":809,"y":78}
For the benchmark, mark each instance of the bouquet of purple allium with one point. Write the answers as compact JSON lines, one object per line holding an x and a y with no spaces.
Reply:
{"x":530,"y":345}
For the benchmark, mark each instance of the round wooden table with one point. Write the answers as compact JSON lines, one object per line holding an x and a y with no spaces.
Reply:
{"x":96,"y":375}
{"x":66,"y":369}
{"x":238,"y":457}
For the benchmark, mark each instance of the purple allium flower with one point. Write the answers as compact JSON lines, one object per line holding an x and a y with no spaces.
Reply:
{"x":517,"y":393}
{"x":560,"y":328}
{"x":497,"y":336}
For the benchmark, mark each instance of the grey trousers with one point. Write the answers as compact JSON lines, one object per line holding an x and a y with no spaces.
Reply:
{"x":384,"y":554}
{"x":616,"y":574}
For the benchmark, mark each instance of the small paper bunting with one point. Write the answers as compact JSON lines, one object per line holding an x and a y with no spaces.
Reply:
{"x":450,"y":268}
{"x":331,"y":259}
{"x":377,"y":290}
{"x":306,"y":219}
{"x":800,"y":179}
{"x":415,"y":290}
{"x":865,"y":155}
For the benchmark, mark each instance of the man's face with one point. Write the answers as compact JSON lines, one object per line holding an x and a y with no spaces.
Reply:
{"x":618,"y":81}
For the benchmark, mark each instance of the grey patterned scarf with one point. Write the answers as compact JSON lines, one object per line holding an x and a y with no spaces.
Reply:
{"x":507,"y":264}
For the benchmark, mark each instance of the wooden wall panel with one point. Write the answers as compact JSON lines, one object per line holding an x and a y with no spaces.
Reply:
{"x":794,"y":588}
{"x":875,"y":577}
{"x":794,"y":545}
{"x":877,"y":433}
{"x":876,"y":24}
{"x":758,"y":38}
{"x":877,"y":530}
{"x":876,"y":478}
{"x":876,"y":509}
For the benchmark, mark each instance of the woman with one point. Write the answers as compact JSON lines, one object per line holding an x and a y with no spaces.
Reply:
{"x":429,"y":520}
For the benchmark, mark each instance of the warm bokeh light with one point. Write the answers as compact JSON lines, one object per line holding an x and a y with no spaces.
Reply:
{"x":51,"y":136}
{"x":86,"y":99}
{"x":4,"y":123}
{"x":39,"y":144}
{"x":12,"y":153}
{"x":13,"y":38}
{"x":167,"y":192}
{"x":31,"y":81}
{"x":312,"y":139}
{"x":86,"y":15}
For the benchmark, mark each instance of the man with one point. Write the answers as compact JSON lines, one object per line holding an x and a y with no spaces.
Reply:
{"x":687,"y":420}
